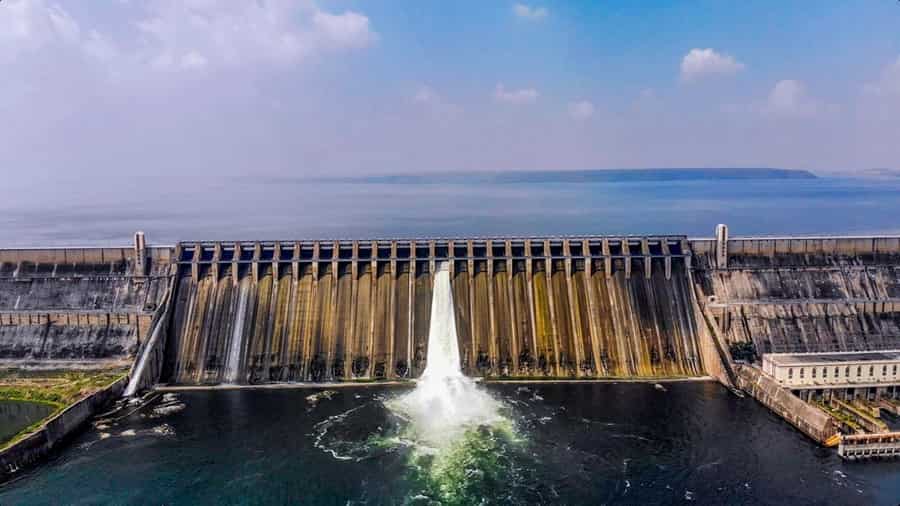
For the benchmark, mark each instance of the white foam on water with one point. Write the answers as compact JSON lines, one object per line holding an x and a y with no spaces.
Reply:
{"x":167,"y":409}
{"x":445,"y":402}
{"x":164,"y":430}
{"x":322,"y":432}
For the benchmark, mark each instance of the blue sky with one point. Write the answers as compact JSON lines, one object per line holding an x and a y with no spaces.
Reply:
{"x":122,"y":88}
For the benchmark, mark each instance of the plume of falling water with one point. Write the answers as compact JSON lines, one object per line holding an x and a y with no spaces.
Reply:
{"x":137,"y":375}
{"x":233,"y":361}
{"x":445,"y":403}
{"x":461,"y":445}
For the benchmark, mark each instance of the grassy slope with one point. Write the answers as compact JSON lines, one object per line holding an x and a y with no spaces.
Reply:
{"x":56,"y":388}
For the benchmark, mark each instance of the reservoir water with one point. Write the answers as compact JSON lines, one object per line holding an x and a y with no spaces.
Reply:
{"x":595,"y":443}
{"x":194,"y":209}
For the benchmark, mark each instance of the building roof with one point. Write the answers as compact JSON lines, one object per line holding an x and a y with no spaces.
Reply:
{"x":832,"y":358}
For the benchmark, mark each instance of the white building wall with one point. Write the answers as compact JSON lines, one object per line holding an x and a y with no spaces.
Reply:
{"x":835,"y":373}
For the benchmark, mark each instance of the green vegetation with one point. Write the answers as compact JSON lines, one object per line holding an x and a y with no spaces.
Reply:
{"x":59,"y":388}
{"x":744,"y":351}
{"x":56,"y":388}
{"x":850,"y":415}
{"x":840,"y":416}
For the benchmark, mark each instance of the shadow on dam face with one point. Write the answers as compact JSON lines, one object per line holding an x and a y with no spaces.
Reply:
{"x":332,"y":311}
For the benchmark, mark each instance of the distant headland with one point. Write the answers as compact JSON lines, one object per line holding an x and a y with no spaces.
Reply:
{"x":578,"y":176}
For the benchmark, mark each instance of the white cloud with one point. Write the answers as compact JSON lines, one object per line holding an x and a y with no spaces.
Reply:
{"x":426,"y":95}
{"x":888,"y":84}
{"x":193,"y":59}
{"x":187,"y":34}
{"x":31,"y":25}
{"x":517,"y":97}
{"x":99,"y":47}
{"x":647,"y":94}
{"x":786,"y":95}
{"x":349,"y":30}
{"x":790,"y":98}
{"x":581,"y":110}
{"x":532,"y":13}
{"x":427,"y":98}
{"x":203,"y":32}
{"x":699,"y":63}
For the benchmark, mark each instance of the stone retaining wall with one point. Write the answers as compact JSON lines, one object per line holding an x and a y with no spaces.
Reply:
{"x":28,"y":451}
{"x":811,"y":421}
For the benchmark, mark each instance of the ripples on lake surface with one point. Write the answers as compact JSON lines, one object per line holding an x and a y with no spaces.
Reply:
{"x":562,"y":444}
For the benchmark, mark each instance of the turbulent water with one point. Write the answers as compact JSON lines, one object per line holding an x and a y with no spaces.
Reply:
{"x":445,"y":403}
{"x":695,"y":443}
{"x":455,"y":439}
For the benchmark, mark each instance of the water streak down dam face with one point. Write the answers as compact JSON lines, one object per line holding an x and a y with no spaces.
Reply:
{"x":341,"y":310}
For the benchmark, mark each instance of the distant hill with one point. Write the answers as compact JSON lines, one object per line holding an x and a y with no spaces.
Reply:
{"x":881,"y":173}
{"x":579,"y":176}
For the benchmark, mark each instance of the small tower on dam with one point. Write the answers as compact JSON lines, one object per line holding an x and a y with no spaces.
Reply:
{"x":722,"y":246}
{"x":140,"y":254}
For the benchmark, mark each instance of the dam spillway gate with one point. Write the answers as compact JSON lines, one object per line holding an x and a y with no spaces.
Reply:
{"x":340,"y":310}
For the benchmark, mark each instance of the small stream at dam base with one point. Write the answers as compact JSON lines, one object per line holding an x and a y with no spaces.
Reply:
{"x":563,"y":443}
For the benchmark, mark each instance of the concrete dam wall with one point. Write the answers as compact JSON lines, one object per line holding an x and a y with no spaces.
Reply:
{"x":341,"y":310}
{"x":803,"y":294}
{"x":77,"y":305}
{"x":567,"y":307}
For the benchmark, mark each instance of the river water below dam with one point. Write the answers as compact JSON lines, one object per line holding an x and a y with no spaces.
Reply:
{"x":563,"y":443}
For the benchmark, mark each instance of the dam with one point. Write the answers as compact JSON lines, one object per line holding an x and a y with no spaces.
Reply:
{"x":343,"y":310}
{"x":78,"y":306}
{"x":255,"y":312}
{"x":247,"y":312}
{"x":206,"y":313}
{"x":804,"y":294}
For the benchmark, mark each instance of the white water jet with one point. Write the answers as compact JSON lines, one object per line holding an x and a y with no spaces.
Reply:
{"x":233,"y":362}
{"x":138,"y":373}
{"x":445,"y":402}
